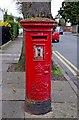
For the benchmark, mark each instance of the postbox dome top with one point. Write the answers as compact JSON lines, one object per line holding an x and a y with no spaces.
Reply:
{"x":38,"y":21}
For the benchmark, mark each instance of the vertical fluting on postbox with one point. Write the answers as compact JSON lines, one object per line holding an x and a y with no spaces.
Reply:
{"x":38,"y":37}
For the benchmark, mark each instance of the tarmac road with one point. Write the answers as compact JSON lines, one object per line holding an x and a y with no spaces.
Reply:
{"x":66,"y":55}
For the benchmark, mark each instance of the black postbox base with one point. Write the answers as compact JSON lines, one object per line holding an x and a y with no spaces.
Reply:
{"x":38,"y":108}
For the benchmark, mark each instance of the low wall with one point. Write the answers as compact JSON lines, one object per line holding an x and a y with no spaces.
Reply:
{"x":4,"y":35}
{"x":67,"y":28}
{"x":75,"y":29}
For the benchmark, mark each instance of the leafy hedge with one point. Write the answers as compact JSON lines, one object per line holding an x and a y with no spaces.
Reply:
{"x":14,"y":30}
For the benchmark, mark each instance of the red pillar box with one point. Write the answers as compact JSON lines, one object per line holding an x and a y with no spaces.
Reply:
{"x":38,"y":39}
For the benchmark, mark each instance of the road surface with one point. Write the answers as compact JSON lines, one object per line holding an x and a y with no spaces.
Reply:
{"x":65,"y":53}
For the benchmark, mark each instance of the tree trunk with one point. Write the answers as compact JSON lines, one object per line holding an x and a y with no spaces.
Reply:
{"x":36,"y":9}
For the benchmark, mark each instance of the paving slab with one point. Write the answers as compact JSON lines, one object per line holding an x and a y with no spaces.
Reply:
{"x":64,"y":96}
{"x":0,"y":64}
{"x":61,"y":85}
{"x":13,"y":94}
{"x":62,"y":89}
{"x":78,"y":107}
{"x":10,"y":53}
{"x":10,"y":59}
{"x":0,"y":77}
{"x":4,"y":67}
{"x":13,"y":79}
{"x":10,"y":48}
{"x":0,"y":109}
{"x":13,"y":86}
{"x":13,"y":109}
{"x":0,"y":92}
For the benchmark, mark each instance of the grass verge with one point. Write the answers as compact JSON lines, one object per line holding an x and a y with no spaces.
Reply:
{"x":56,"y":70}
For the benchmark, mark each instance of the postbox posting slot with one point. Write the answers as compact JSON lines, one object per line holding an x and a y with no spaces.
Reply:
{"x":39,"y":37}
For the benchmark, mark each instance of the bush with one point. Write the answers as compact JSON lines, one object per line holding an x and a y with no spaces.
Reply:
{"x":6,"y":24}
{"x":14,"y":30}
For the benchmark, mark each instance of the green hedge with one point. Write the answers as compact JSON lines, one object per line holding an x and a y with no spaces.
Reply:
{"x":14,"y":30}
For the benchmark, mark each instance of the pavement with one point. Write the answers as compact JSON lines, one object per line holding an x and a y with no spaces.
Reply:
{"x":12,"y":85}
{"x":10,"y":53}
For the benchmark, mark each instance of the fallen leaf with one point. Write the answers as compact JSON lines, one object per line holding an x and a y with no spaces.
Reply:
{"x":14,"y":90}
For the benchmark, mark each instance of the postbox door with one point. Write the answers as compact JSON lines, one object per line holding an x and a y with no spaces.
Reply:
{"x":40,"y":67}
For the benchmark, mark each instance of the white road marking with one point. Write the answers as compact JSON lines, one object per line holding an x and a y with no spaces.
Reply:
{"x":73,"y":72}
{"x":67,"y":61}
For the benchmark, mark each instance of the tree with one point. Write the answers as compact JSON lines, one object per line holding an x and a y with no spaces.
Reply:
{"x":8,"y":17}
{"x":70,"y":12}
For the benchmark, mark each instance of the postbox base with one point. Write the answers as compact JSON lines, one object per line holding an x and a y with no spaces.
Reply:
{"x":38,"y":108}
